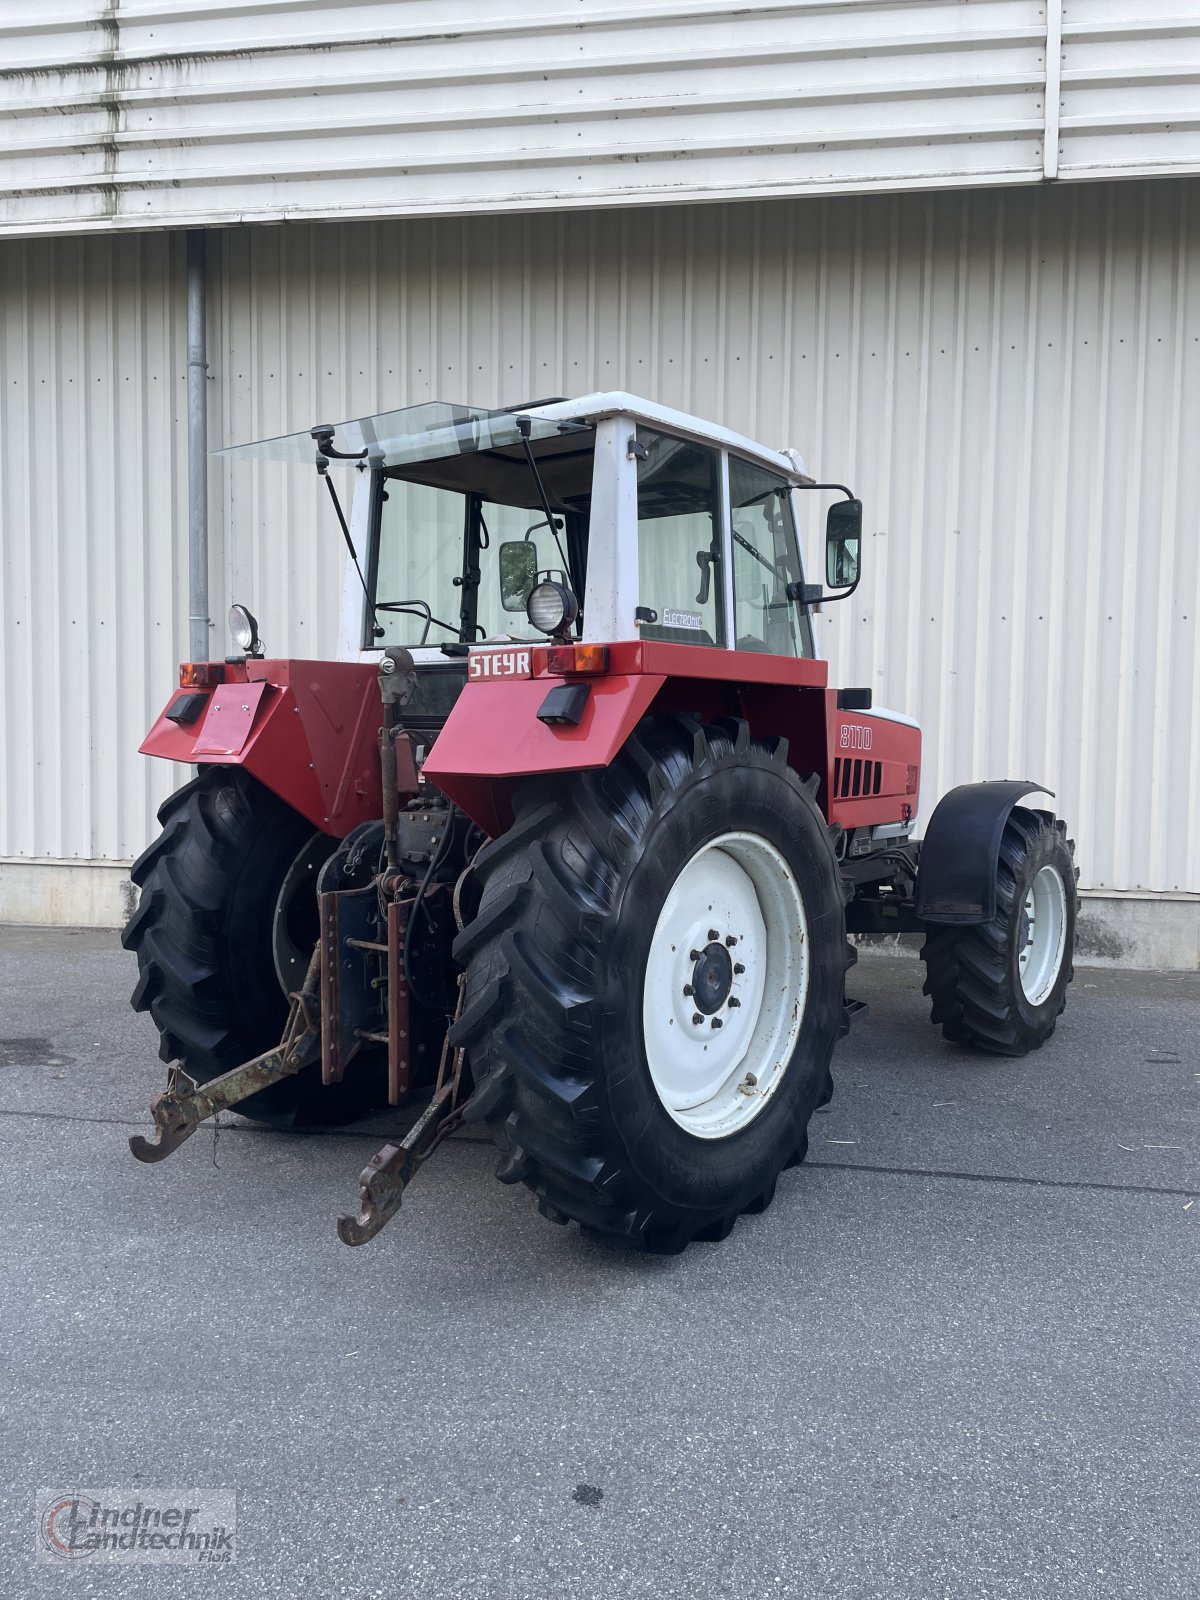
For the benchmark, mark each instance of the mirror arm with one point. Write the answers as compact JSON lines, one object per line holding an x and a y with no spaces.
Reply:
{"x":847,"y":494}
{"x":840,"y":594}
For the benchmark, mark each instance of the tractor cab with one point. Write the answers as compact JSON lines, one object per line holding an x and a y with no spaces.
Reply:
{"x":657,"y":525}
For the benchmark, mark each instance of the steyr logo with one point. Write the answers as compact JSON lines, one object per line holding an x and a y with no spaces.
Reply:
{"x":499,"y":664}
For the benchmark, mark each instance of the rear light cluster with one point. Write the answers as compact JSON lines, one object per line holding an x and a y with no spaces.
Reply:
{"x":571,"y":660}
{"x":201,"y":674}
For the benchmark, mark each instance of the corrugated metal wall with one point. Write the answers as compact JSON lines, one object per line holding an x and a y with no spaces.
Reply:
{"x":1011,"y":379}
{"x":135,"y":115}
{"x":93,"y":556}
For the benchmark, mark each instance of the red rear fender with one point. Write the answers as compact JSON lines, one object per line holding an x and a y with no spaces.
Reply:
{"x":493,"y":738}
{"x":307,"y":730}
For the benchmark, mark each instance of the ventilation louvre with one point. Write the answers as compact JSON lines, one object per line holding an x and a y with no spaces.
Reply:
{"x":856,"y":779}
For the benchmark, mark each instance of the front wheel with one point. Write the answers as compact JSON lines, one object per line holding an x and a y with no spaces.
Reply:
{"x":1001,"y":986}
{"x":655,"y":982}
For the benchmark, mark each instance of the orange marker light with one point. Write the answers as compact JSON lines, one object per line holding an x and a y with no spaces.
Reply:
{"x":200,"y":674}
{"x":570,"y":659}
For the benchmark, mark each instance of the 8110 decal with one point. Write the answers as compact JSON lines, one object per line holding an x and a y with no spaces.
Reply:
{"x":854,"y":736}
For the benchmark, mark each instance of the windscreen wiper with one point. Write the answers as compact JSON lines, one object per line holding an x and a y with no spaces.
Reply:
{"x":416,"y":608}
{"x":757,"y":554}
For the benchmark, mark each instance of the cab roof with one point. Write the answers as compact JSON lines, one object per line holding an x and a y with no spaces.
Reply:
{"x":618,"y":402}
{"x":435,"y":429}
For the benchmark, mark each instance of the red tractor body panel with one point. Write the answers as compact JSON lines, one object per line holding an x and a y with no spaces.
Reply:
{"x":493,"y":738}
{"x":308,"y":730}
{"x":873,"y":767}
{"x":869,"y":765}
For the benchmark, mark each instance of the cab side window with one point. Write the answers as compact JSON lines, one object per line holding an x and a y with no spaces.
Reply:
{"x":765,"y":561}
{"x":679,"y":540}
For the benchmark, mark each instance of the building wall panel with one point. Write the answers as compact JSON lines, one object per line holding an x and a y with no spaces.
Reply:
{"x":1010,"y":378}
{"x":1130,"y":87}
{"x":143,"y":115}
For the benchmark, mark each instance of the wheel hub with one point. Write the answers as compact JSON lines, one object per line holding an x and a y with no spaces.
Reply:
{"x":712,"y":978}
{"x":1041,"y":935}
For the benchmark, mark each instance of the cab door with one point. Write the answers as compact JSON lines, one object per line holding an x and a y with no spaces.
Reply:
{"x":765,"y":559}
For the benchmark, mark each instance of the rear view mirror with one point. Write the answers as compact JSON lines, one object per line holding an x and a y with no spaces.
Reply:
{"x":518,"y":573}
{"x":843,"y":538}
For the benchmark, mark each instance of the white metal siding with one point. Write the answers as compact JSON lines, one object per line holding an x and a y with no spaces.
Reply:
{"x":137,"y":115}
{"x":93,"y":556}
{"x":1010,"y":378}
{"x":1130,"y":94}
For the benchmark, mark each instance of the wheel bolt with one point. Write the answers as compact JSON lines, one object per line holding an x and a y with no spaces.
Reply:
{"x":697,"y":1018}
{"x":687,"y":988}
{"x":734,"y":1001}
{"x":713,"y":935}
{"x":694,"y":955}
{"x":730,"y":940}
{"x":738,"y":969}
{"x":717,"y":1023}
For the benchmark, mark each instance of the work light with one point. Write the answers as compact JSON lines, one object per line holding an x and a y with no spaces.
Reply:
{"x":551,"y":607}
{"x":244,"y":630}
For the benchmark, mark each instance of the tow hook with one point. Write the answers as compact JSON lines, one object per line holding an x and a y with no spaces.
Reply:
{"x":385,"y":1177}
{"x":183,"y":1105}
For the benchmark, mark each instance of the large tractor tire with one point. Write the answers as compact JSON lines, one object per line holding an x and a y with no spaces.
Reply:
{"x":225,"y":925}
{"x":655,"y":982}
{"x":1001,"y":986}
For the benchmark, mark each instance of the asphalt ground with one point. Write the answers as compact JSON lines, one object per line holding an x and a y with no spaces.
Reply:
{"x":958,"y":1356}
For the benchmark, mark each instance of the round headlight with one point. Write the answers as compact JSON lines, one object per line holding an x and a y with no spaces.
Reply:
{"x":551,"y":607}
{"x":243,"y":629}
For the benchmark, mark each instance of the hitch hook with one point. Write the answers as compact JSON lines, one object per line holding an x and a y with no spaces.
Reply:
{"x":385,"y":1177}
{"x":183,"y":1105}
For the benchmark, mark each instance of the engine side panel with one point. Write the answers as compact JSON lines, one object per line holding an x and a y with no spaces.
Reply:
{"x":872,"y":767}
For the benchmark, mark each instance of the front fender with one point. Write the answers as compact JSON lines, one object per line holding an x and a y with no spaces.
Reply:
{"x":307,"y":730}
{"x":956,"y":875}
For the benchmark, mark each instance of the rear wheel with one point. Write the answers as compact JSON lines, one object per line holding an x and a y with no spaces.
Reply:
{"x":655,"y":982}
{"x":1002,"y":986}
{"x":224,"y":929}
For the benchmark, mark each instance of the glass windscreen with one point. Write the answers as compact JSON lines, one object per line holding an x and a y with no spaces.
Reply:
{"x":416,"y":433}
{"x":458,"y":542}
{"x":439,"y":557}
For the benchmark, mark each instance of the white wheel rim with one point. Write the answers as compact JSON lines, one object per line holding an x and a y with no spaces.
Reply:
{"x":1042,"y":935}
{"x":714,"y":1080}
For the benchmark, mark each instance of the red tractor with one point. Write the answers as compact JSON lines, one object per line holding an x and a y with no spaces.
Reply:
{"x":570,"y":840}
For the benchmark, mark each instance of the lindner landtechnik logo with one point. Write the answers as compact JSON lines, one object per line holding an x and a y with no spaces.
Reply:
{"x":196,"y":1526}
